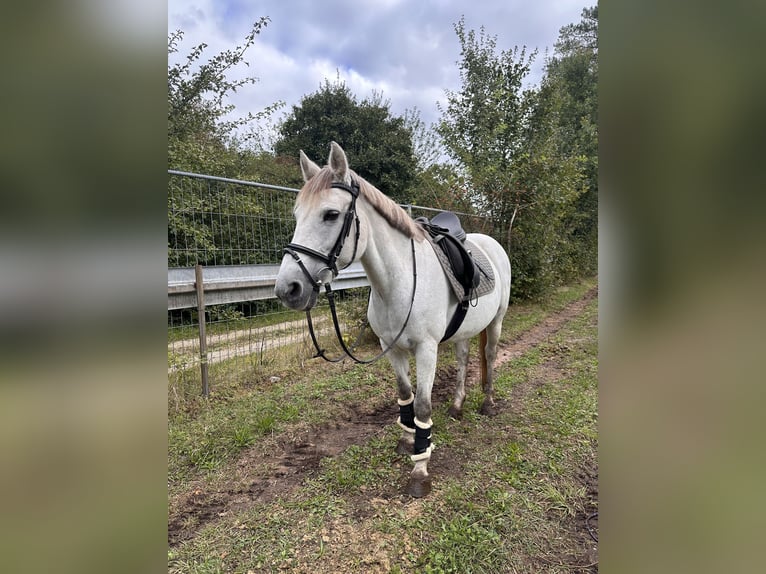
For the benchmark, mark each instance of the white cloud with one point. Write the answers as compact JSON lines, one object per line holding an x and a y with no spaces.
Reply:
{"x":407,"y":50}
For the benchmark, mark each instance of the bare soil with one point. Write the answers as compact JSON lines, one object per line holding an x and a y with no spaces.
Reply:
{"x":262,"y":474}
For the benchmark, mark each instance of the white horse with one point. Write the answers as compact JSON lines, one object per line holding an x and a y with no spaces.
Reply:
{"x":341,"y":218}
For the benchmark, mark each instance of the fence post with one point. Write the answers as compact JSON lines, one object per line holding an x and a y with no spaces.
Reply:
{"x":199,"y":285}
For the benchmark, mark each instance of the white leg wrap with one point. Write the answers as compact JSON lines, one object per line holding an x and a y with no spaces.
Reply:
{"x":407,"y":402}
{"x":404,"y":427}
{"x":426,"y":425}
{"x":423,"y":455}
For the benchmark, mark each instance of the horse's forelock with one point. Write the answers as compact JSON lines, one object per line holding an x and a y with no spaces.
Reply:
{"x":310,"y":193}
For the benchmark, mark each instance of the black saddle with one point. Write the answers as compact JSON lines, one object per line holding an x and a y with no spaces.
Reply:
{"x":448,"y":221}
{"x":447,"y":232}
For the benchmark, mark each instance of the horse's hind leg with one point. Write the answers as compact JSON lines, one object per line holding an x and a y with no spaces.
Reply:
{"x":401,"y":364}
{"x":461,"y":353}
{"x":488,"y":346}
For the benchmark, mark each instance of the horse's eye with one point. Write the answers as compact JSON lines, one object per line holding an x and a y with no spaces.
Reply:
{"x":331,"y":214}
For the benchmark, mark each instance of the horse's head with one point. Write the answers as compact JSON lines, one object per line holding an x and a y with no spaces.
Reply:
{"x":327,"y":234}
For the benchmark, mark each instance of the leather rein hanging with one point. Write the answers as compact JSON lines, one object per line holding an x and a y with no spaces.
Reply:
{"x":331,"y":260}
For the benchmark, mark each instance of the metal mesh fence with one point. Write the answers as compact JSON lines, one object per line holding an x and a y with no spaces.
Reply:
{"x":228,"y":225}
{"x":218,"y":221}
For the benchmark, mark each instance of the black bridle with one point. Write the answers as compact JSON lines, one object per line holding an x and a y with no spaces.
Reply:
{"x":331,"y":260}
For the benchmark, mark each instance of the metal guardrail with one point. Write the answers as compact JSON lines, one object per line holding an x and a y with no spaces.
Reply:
{"x":236,"y":283}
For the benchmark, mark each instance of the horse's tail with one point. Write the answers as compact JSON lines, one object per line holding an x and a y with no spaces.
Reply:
{"x":483,"y":358}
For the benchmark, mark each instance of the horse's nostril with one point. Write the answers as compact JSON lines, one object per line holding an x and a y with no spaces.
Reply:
{"x":293,"y":289}
{"x":288,"y":291}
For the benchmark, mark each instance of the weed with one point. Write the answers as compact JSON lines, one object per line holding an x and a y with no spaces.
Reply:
{"x":564,"y":498}
{"x":243,"y":437}
{"x":265,"y":424}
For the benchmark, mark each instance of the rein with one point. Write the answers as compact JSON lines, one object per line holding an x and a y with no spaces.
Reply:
{"x":331,"y":299}
{"x":331,"y":260}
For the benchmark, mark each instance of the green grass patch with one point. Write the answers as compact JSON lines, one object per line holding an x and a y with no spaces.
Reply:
{"x":520,"y":490}
{"x":463,"y":543}
{"x":510,"y":502}
{"x":370,"y":466}
{"x":212,"y":432}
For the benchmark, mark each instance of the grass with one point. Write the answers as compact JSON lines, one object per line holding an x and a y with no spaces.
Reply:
{"x":508,"y":500}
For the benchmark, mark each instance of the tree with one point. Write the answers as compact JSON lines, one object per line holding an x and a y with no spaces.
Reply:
{"x":504,"y":141}
{"x":569,"y":93}
{"x":484,"y":124}
{"x":426,"y":142}
{"x":378,"y":144}
{"x":202,"y":138}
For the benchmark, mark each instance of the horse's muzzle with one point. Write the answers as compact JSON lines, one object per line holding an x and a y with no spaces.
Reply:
{"x":296,"y":295}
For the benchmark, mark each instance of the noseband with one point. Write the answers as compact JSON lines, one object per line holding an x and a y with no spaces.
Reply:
{"x":331,"y":259}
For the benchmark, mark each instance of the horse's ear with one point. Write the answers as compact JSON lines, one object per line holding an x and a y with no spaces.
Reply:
{"x":308,"y":168}
{"x":338,"y":163}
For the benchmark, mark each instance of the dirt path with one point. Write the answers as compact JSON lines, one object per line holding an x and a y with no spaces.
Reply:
{"x":244,"y":342}
{"x":261,"y":474}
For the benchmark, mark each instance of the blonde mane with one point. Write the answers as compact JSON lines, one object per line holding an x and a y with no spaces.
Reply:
{"x":311,"y":193}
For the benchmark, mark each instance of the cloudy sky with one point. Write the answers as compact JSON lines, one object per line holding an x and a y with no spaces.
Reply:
{"x":406,"y":49}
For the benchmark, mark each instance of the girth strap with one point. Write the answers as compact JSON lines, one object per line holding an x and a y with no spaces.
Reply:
{"x":457,"y":319}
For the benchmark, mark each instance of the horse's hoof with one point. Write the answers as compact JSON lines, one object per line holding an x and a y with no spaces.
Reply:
{"x":404,"y":447}
{"x":418,"y":487}
{"x":488,"y":409}
{"x":455,"y":413}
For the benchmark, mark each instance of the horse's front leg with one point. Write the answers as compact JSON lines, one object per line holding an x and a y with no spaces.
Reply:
{"x":400,"y":362}
{"x":425,"y":360}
